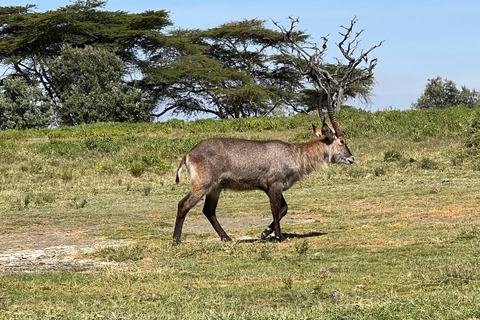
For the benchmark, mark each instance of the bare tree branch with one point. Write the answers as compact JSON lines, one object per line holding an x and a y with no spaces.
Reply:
{"x":334,"y":84}
{"x":188,"y":106}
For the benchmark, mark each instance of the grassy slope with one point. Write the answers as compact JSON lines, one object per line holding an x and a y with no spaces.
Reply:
{"x":391,"y":238}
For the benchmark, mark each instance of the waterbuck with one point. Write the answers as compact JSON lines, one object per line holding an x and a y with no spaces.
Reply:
{"x":271,"y":166}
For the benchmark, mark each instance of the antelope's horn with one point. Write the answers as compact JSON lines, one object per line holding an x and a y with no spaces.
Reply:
{"x":331,"y":114}
{"x":333,"y":120}
{"x":320,"y":113}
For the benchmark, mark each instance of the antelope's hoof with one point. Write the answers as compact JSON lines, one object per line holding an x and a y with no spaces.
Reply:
{"x":266,"y":233}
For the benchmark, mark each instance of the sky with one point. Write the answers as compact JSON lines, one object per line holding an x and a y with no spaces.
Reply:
{"x":423,"y":39}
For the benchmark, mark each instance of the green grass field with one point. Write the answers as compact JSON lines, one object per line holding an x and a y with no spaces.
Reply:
{"x":394,"y":236}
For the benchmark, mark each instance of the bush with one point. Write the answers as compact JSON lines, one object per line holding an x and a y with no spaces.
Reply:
{"x":470,"y":151}
{"x":61,"y":148}
{"x":137,"y":169}
{"x":441,"y":94}
{"x":392,"y":155}
{"x":102,"y":144}
{"x":106,"y":166}
{"x":66,"y":175}
{"x":22,"y":105}
{"x":428,"y":164}
{"x":473,"y":140}
{"x":161,"y":167}
{"x":89,"y":95}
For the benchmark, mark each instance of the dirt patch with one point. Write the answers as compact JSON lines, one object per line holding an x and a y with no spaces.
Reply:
{"x":51,"y":250}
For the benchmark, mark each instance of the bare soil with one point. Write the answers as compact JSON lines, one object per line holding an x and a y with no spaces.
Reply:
{"x":62,"y":249}
{"x":49,"y":249}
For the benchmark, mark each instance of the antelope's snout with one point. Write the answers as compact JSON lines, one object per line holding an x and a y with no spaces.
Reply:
{"x":350,"y":160}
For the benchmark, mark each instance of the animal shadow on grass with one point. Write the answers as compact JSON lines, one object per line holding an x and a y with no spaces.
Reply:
{"x":287,"y":235}
{"x":305,"y":235}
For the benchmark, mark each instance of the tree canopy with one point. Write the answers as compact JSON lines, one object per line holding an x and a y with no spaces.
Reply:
{"x":22,"y":105}
{"x":88,"y":85}
{"x":443,"y":93}
{"x":234,"y":70}
{"x":29,"y":38}
{"x":82,"y":64}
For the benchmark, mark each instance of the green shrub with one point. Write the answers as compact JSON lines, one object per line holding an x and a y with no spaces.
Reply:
{"x":106,"y":166}
{"x":428,"y":164}
{"x":66,"y":175}
{"x":302,"y":137}
{"x":79,"y":203}
{"x":392,"y":155}
{"x":469,"y":153}
{"x":379,"y":171}
{"x":61,"y":147}
{"x":161,"y":167}
{"x":136,"y":169}
{"x":472,"y":143}
{"x":146,"y":190}
{"x":301,"y":247}
{"x":103,"y":144}
{"x":150,"y":161}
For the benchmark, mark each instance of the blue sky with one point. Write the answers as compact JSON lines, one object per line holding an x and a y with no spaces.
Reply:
{"x":423,"y":39}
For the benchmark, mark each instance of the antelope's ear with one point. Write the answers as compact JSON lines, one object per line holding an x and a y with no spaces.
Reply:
{"x":317,"y":131}
{"x":327,"y":132}
{"x":324,"y":132}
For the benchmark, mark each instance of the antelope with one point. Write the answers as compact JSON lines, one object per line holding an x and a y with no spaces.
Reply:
{"x":272,"y":166}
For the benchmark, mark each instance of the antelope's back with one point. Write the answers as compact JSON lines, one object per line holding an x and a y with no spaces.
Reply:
{"x":242,"y":164}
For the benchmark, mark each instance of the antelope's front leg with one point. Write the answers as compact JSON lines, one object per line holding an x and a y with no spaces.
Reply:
{"x":275,"y":196}
{"x":270,"y":228}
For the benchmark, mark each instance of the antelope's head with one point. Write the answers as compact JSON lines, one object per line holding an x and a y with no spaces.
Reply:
{"x":339,"y":152}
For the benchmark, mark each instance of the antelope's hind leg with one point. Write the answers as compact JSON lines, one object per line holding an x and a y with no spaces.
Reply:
{"x":209,"y":210}
{"x":187,"y":203}
{"x":271,"y":227}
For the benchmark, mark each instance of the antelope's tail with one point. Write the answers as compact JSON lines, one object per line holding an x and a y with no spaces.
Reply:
{"x":177,"y":178}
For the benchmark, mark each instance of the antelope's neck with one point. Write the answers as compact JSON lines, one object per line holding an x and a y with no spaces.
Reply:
{"x":312,"y":155}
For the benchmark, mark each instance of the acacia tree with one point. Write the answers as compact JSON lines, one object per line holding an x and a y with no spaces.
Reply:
{"x":29,"y":40}
{"x":351,"y":70}
{"x":234,"y":70}
{"x":238,"y":69}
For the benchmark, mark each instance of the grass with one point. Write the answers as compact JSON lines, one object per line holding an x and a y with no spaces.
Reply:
{"x":395,"y":236}
{"x":232,"y":281}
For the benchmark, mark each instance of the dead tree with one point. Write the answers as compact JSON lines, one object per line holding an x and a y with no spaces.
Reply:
{"x":350,"y":67}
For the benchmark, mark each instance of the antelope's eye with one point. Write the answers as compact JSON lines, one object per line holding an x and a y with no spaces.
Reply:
{"x":342,"y":142}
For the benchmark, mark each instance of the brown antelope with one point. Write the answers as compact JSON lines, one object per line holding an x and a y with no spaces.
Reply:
{"x":271,"y":166}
